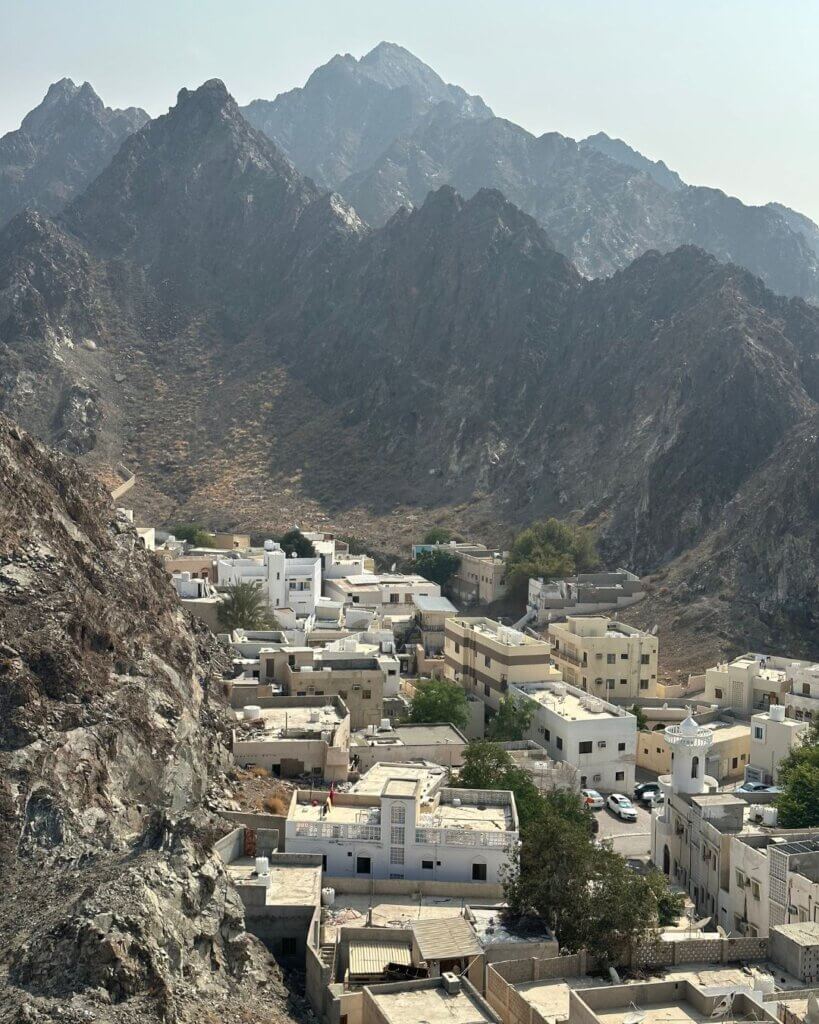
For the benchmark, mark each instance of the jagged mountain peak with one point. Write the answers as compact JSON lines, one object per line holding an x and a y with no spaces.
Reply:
{"x":620,"y":151}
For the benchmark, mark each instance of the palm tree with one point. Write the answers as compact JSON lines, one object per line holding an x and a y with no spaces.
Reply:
{"x":245,"y":607}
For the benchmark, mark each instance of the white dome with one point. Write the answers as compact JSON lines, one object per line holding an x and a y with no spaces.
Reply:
{"x":688,"y":727}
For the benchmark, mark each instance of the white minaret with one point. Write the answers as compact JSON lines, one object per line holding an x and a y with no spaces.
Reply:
{"x":689,"y":744}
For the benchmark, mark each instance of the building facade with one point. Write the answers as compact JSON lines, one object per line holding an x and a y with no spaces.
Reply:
{"x":585,"y":594}
{"x":486,"y":658}
{"x":604,"y":657}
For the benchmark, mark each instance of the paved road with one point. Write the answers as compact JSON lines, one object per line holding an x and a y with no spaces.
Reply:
{"x":631,"y":838}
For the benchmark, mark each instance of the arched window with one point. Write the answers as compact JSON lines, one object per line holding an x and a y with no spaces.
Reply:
{"x":695,"y":767}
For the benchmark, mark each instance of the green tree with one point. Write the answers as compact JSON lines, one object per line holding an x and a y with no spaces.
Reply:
{"x":798,"y":804}
{"x":194,"y":534}
{"x":586,"y":892}
{"x":437,"y":700}
{"x":245,"y":607}
{"x":639,"y":714}
{"x":437,"y":566}
{"x":437,"y":535}
{"x":552,"y":549}
{"x":488,"y":766}
{"x":512,"y":720}
{"x":670,"y":904}
{"x":295,"y":541}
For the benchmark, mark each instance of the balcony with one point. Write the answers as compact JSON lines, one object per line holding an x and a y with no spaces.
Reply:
{"x":464,"y":837}
{"x":327,"y":830}
{"x":570,"y":658}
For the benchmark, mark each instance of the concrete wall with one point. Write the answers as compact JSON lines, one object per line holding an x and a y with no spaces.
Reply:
{"x":274,"y":822}
{"x":474,"y":891}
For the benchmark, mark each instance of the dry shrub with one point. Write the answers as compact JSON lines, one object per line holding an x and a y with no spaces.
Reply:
{"x":257,"y":772}
{"x":274,"y":805}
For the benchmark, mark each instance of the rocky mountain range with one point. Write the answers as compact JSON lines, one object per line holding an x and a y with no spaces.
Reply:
{"x":258,"y":353}
{"x":60,"y":147}
{"x":601,"y":202}
{"x":113,"y":728}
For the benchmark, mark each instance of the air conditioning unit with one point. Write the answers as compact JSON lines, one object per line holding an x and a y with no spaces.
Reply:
{"x":597,"y":778}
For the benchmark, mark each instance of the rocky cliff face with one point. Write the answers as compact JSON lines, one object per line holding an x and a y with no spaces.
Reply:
{"x":60,"y":147}
{"x":112,"y":905}
{"x":601,"y":201}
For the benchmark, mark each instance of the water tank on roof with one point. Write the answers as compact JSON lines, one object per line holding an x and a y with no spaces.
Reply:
{"x":456,"y":801}
{"x":262,"y":866}
{"x":314,"y":714}
{"x":328,"y":896}
{"x":559,"y":689}
{"x":270,"y":545}
{"x":252,"y":713}
{"x":776,"y":712}
{"x":769,"y":816}
{"x":386,"y":724}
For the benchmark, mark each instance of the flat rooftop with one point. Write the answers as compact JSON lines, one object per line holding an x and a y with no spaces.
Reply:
{"x":285,"y":723}
{"x":432,"y":777}
{"x":479,"y":818}
{"x":352,"y":909}
{"x":550,"y":996}
{"x":419,"y":1005}
{"x":500,"y":634}
{"x":288,"y":884}
{"x":434,"y":604}
{"x":337,"y":814}
{"x":384,"y":579}
{"x":569,"y":706}
{"x":408,"y":736}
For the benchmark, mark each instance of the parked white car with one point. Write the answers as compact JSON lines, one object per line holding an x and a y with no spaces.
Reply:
{"x":622,"y":807}
{"x":757,"y":787}
{"x":592,"y":799}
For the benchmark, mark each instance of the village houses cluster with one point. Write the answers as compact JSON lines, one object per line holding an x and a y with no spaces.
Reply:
{"x":384,"y":883}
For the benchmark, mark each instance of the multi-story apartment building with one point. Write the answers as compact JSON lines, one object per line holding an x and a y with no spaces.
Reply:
{"x":604,"y":657}
{"x":585,"y":594}
{"x":400,"y":822}
{"x":596,"y":737}
{"x":486,"y":658}
{"x":481,"y":574}
{"x":774,"y":879}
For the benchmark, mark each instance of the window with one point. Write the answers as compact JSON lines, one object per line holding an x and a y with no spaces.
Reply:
{"x":396,"y":855}
{"x":734,"y":762}
{"x":487,"y":660}
{"x":806,"y":689}
{"x":624,"y":656}
{"x":457,"y":647}
{"x":342,"y":694}
{"x":559,"y":742}
{"x":397,"y":837}
{"x":755,"y":889}
{"x":324,"y":862}
{"x":485,"y":689}
{"x":366,"y":694}
{"x":363,"y":866}
{"x":547,"y":735}
{"x":619,"y":776}
{"x":644,"y":659}
{"x":426,"y":865}
{"x":623,"y":682}
{"x":759,"y":732}
{"x":643,"y":684}
{"x":718,"y":693}
{"x":609,"y":684}
{"x":645,"y":750}
{"x":621,"y":746}
{"x":396,"y":876}
{"x":659,"y":750}
{"x":394,"y":599}
{"x":398,"y":814}
{"x":610,"y":659}
{"x":753,"y":931}
{"x":289,"y":946}
{"x":695,"y":767}
{"x":478,"y":872}
{"x":585,"y":746}
{"x":601,"y":744}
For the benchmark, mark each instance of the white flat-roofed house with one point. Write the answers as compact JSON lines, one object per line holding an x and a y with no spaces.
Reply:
{"x":386,"y":593}
{"x":293,"y":583}
{"x":597,"y":738}
{"x":400,"y":822}
{"x":773,"y":737}
{"x":585,"y":594}
{"x":440,"y":743}
{"x":753,"y":682}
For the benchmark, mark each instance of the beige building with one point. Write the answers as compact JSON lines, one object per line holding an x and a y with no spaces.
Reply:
{"x":231,"y":541}
{"x":486,"y":658}
{"x":727,"y":759}
{"x":773,"y":736}
{"x":441,"y":744}
{"x":604,"y":657}
{"x":481,"y":574}
{"x":293,"y":736}
{"x":431,"y":615}
{"x":753,"y":682}
{"x":386,"y":593}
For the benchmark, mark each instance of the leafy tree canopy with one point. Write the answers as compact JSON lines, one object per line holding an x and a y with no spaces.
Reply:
{"x":639,"y":714}
{"x":511,"y":721}
{"x":488,"y":766}
{"x":438,"y":700}
{"x":245,"y":607}
{"x":438,"y":535}
{"x":438,"y":566}
{"x":552,"y":549}
{"x":194,"y":534}
{"x":295,"y":541}
{"x":798,"y":804}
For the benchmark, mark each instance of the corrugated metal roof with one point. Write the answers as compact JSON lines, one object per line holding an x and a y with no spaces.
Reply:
{"x":446,"y":937}
{"x":373,"y":957}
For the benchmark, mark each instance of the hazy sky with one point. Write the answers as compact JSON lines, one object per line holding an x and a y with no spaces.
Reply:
{"x":725,"y":91}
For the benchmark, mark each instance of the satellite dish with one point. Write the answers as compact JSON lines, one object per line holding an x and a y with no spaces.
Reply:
{"x":723,"y":1007}
{"x":635,"y":1015}
{"x":392,"y":567}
